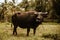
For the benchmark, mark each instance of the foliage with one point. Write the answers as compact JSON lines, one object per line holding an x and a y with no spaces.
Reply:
{"x":51,"y":6}
{"x":56,"y":7}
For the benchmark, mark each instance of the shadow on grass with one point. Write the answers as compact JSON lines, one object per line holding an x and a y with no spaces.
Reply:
{"x":20,"y":35}
{"x":52,"y":36}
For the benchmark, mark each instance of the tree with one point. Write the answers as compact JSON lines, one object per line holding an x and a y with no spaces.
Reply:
{"x":24,"y":4}
{"x":40,"y":5}
{"x":5,"y":1}
{"x":56,"y":7}
{"x":13,"y":1}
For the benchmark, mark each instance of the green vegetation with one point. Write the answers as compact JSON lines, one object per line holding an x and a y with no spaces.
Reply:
{"x":52,"y":7}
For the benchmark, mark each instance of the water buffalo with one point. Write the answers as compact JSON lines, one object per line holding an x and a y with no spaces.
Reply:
{"x":26,"y":20}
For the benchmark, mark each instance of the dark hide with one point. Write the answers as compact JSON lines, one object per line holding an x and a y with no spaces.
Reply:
{"x":26,"y":20}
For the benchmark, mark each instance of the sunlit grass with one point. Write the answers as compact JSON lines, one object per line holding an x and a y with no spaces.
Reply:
{"x":44,"y":28}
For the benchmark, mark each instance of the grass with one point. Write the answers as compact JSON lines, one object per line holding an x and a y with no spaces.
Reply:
{"x":43,"y":29}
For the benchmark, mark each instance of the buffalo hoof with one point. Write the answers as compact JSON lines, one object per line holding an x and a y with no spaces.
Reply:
{"x":27,"y":35}
{"x":14,"y":33}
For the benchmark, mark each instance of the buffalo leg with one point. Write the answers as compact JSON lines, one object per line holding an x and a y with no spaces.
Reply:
{"x":14,"y":30}
{"x":28,"y":30}
{"x":34,"y":30}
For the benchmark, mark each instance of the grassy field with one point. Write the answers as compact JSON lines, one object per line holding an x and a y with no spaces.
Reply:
{"x":42,"y":32}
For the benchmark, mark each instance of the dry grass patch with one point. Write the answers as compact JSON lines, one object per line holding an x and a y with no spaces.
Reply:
{"x":44,"y":29}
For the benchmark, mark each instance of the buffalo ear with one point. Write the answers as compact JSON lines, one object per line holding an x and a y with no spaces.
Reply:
{"x":44,"y":14}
